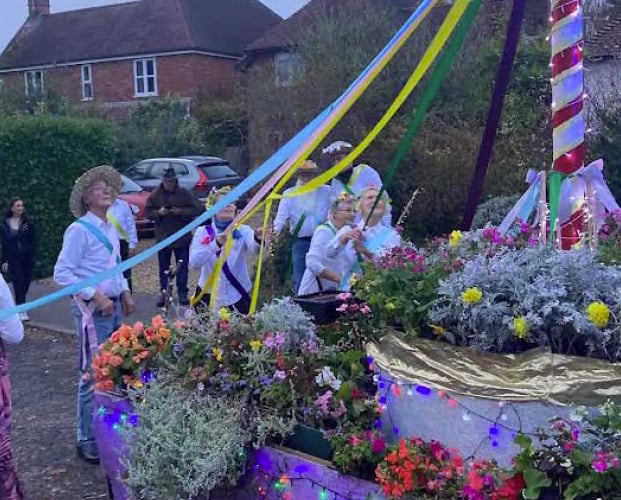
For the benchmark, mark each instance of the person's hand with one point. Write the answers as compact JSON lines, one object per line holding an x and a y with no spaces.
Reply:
{"x":353,"y":235}
{"x":127,"y":303}
{"x":5,"y":267}
{"x":258,"y":233}
{"x":103,"y":304}
{"x":221,"y":239}
{"x":163,"y":211}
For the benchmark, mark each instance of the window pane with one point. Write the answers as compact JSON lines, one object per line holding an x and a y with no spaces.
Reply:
{"x":139,"y":68}
{"x":180,"y":169}
{"x":39,"y":80}
{"x":157,"y":171}
{"x":140,"y":86}
{"x":88,"y":91}
{"x":86,"y":73}
{"x":151,"y":84}
{"x":150,"y":67}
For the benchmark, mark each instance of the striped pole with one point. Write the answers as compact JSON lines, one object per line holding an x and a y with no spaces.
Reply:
{"x":568,"y":122}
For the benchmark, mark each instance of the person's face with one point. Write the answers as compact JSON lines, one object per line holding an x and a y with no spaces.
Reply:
{"x":227,"y":213}
{"x":337,"y":158}
{"x":98,"y":196}
{"x":343,"y":215}
{"x":368,"y":199}
{"x":304,"y":177}
{"x":17,"y":209}
{"x":169,"y":184}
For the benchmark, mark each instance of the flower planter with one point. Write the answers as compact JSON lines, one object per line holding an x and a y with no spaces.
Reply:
{"x":113,"y":414}
{"x":477,"y":402}
{"x":322,"y":306}
{"x":310,"y":441}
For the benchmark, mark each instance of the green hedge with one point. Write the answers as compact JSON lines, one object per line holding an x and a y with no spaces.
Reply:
{"x":40,"y":159}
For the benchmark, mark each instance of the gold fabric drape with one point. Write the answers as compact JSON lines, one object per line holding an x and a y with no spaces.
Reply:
{"x":535,"y":375}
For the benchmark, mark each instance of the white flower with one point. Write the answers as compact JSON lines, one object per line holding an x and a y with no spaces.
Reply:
{"x":326,"y":377}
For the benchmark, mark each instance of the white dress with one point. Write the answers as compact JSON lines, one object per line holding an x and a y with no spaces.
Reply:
{"x":327,"y":252}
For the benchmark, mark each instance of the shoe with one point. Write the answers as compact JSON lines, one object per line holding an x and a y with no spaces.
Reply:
{"x":25,"y":317}
{"x":161,"y":300}
{"x":184,"y":301}
{"x":87,"y":451}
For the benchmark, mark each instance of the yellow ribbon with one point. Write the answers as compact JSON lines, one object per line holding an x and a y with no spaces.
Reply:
{"x":114,"y":221}
{"x":430,"y":55}
{"x":257,"y":279}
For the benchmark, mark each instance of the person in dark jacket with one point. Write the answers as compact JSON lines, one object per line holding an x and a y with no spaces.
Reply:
{"x":172,"y":207}
{"x":19,"y":243}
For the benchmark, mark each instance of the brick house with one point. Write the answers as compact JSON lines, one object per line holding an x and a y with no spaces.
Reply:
{"x":117,"y":55}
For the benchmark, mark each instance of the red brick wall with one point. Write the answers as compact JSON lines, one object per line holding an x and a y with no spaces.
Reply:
{"x":113,"y":82}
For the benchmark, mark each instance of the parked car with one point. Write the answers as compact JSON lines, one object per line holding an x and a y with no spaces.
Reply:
{"x":133,"y":194}
{"x":198,"y":174}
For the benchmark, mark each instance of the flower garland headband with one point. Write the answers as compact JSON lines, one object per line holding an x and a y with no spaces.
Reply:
{"x":344,"y":197}
{"x":214,"y":193}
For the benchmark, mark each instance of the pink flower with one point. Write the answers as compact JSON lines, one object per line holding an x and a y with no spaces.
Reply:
{"x":342,"y":308}
{"x":138,"y":327}
{"x":354,"y":440}
{"x":378,"y":446}
{"x":274,"y":341}
{"x":344,"y":296}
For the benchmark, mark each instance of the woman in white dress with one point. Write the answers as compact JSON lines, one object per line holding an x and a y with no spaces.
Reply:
{"x":234,"y":285}
{"x":331,"y":255}
{"x":377,"y":238}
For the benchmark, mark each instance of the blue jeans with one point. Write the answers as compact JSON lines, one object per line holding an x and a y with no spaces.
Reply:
{"x":104,"y":326}
{"x":299,"y":249}
{"x":163,"y":259}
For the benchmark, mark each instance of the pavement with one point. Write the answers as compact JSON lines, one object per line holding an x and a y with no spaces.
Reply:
{"x":56,"y":316}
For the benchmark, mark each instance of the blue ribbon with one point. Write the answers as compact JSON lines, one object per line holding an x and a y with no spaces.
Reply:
{"x":258,"y":175}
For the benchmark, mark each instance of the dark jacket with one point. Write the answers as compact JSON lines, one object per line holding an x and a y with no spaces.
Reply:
{"x":165,"y":225}
{"x":19,"y":245}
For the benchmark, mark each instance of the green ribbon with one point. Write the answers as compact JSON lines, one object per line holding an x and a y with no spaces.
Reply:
{"x":555,"y":180}
{"x":435,"y":82}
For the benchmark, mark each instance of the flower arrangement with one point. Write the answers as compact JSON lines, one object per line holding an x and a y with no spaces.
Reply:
{"x":578,"y":457}
{"x":518,"y":299}
{"x":128,"y":357}
{"x":358,"y":452}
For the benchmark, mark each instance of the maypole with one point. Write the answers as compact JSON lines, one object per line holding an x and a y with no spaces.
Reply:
{"x":568,"y":122}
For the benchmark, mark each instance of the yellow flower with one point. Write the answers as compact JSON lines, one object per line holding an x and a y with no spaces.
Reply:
{"x":255,"y":345}
{"x":438,"y":330}
{"x":598,"y":314}
{"x":225,"y":314}
{"x":217,"y":353}
{"x":520,"y":327}
{"x":455,"y":237}
{"x":390,"y":306}
{"x":137,"y":384}
{"x":472,"y":295}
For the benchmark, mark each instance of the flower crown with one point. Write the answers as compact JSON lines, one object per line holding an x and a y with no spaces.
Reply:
{"x":343,"y":197}
{"x":214,"y":193}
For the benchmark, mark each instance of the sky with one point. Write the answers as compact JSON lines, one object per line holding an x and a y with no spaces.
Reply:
{"x":13,"y":13}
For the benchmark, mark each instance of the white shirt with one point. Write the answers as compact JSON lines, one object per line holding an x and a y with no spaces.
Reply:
{"x":11,"y":328}
{"x":315,"y":205}
{"x":122,"y":212}
{"x":204,"y":257}
{"x":83,"y":255}
{"x":326,"y":252}
{"x":362,"y":177}
{"x":380,"y":238}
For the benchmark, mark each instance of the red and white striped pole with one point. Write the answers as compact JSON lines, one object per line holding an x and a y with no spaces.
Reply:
{"x":568,"y":120}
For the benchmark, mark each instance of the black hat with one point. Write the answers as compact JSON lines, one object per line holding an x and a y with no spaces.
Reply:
{"x":169,"y":174}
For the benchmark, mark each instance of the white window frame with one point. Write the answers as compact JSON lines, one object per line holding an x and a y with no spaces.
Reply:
{"x":86,"y":82}
{"x":145,"y":77}
{"x":27,"y":74}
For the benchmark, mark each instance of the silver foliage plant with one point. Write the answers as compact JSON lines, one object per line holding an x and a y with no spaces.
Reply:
{"x":186,"y":443}
{"x":551,"y":290}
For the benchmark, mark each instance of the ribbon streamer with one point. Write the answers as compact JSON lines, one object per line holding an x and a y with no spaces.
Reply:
{"x":525,"y":205}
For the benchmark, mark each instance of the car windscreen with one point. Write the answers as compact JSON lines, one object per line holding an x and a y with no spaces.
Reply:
{"x":218,"y":171}
{"x":129,"y":186}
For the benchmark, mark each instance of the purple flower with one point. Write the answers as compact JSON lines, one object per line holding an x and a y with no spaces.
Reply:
{"x":275,"y":341}
{"x":280,"y":375}
{"x":178,"y":348}
{"x":575,"y":433}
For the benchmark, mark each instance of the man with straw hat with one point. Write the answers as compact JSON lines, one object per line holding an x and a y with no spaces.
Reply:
{"x":352,"y":180}
{"x":303,"y":213}
{"x":91,"y":246}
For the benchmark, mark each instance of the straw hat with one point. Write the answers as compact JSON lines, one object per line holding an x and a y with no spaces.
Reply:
{"x":105,"y":173}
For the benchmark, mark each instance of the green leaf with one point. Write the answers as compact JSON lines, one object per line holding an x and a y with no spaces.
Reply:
{"x":535,"y":481}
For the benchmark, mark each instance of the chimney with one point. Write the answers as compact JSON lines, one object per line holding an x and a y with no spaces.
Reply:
{"x":38,"y":7}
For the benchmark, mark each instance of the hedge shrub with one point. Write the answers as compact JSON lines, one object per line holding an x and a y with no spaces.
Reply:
{"x":40,"y":159}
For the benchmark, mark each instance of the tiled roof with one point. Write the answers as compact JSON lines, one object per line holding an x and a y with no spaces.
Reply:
{"x":605,"y":39}
{"x":143,"y":27}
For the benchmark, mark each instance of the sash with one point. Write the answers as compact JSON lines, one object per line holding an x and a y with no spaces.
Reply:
{"x":117,"y":225}
{"x":103,"y":239}
{"x":228,"y":274}
{"x":298,"y":226}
